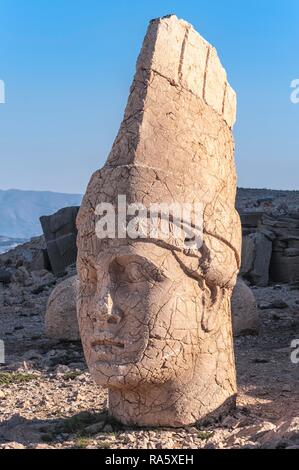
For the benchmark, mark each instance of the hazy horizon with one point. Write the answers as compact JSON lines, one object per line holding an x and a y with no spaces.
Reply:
{"x":40,"y":191}
{"x":82,"y":193}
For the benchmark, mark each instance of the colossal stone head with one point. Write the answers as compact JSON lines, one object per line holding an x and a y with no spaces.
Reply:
{"x":154,"y":315}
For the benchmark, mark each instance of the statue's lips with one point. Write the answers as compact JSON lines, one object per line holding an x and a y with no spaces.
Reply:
{"x":101,"y":341}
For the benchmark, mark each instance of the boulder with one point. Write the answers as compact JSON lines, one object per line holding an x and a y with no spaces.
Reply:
{"x":61,"y":315}
{"x":244,"y":310}
{"x":5,"y":276}
{"x":256,"y":257}
{"x":61,"y":233}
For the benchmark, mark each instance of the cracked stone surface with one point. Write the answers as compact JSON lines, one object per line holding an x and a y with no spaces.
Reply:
{"x":155,"y":320}
{"x":61,"y":315}
{"x":244,"y":310}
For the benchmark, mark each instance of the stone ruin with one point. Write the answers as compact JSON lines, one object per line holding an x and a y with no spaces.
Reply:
{"x":154,"y":318}
{"x":270,"y":249}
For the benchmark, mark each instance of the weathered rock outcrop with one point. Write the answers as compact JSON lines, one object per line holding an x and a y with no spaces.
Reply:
{"x":154,"y":316}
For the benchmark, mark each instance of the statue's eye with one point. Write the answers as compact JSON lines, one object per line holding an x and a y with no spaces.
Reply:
{"x":134,"y":273}
{"x":155,"y":274}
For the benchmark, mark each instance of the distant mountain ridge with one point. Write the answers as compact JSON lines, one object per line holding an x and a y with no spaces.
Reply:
{"x":7,"y":243}
{"x":20,"y":210}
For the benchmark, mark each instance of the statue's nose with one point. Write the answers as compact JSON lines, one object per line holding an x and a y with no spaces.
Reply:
{"x":108,"y":312}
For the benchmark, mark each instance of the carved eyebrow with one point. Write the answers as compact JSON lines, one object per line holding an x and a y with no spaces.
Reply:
{"x":124,"y":259}
{"x":171,"y":247}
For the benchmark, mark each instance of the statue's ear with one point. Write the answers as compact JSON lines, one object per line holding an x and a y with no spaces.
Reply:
{"x":212,"y":305}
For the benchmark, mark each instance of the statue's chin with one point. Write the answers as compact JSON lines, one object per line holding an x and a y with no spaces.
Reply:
{"x":109,"y":374}
{"x":127,"y":376}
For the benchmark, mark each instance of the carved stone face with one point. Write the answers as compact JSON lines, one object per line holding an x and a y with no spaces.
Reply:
{"x":140,"y":316}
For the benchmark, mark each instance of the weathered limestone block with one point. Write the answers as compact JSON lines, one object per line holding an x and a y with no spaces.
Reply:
{"x":256,"y":257}
{"x":60,"y":233}
{"x":244,"y":310}
{"x":155,"y":316}
{"x":61,"y":314}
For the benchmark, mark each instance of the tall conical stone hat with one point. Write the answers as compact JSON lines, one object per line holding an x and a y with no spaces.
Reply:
{"x":175,"y":142}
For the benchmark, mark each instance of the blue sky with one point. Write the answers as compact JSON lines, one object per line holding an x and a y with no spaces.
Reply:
{"x":68,"y":64}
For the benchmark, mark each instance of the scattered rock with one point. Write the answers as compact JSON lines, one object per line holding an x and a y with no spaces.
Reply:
{"x":264,"y":305}
{"x":32,"y":355}
{"x":279,"y":304}
{"x":108,"y":428}
{"x":255,"y":432}
{"x":17,"y":429}
{"x":95,"y":428}
{"x":275,"y":304}
{"x":62,"y":369}
{"x":285,"y":434}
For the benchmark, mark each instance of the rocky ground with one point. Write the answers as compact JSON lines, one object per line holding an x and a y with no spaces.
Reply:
{"x":48,"y":399}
